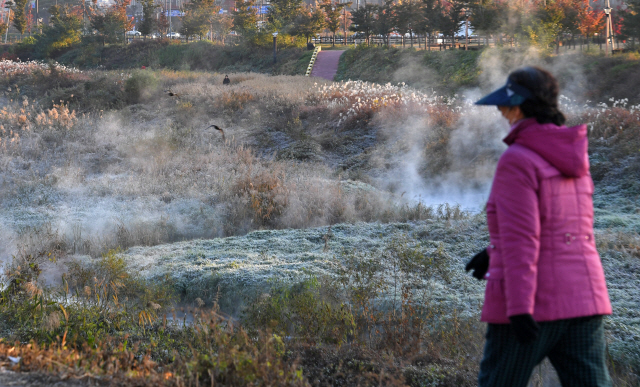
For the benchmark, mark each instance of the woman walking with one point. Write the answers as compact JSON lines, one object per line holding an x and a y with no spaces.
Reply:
{"x":546,"y":293}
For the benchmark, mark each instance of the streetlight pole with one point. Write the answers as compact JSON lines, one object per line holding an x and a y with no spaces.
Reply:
{"x":344,"y":30}
{"x":467,"y":13}
{"x":607,"y":11}
{"x":275,"y":34}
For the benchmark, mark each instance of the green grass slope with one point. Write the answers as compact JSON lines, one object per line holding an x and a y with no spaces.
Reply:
{"x":200,"y":55}
{"x":588,"y":76}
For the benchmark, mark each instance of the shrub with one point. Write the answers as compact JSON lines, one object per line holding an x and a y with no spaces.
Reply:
{"x":24,"y":49}
{"x":140,"y":86}
{"x":232,"y":358}
{"x":57,"y":118}
{"x":265,"y":192}
{"x":233,"y":101}
{"x":307,"y":310}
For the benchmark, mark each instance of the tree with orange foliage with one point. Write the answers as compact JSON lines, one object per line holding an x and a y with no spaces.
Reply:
{"x":590,"y":21}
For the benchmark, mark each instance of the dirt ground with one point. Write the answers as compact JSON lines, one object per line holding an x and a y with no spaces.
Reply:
{"x":11,"y":379}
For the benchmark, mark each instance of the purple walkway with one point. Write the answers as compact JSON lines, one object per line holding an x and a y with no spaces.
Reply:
{"x":326,"y":65}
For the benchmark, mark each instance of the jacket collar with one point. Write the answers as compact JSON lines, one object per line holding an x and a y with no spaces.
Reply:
{"x":518,"y":127}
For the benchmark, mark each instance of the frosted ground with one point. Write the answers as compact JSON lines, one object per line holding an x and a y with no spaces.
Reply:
{"x":250,"y":263}
{"x":238,"y":214}
{"x":241,"y":267}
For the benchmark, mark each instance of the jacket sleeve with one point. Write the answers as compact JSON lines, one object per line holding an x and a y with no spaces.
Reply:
{"x":516,"y":190}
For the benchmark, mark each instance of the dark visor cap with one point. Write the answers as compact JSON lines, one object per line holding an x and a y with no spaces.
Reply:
{"x":510,"y":94}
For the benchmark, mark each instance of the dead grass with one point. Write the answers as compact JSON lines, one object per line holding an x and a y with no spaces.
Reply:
{"x":159,"y":154}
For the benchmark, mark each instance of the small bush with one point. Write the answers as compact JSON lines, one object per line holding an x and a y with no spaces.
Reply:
{"x":304,"y":311}
{"x":140,"y":86}
{"x":231,"y":102}
{"x":266,"y":194}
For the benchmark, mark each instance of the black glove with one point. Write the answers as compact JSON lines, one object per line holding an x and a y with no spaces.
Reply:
{"x":479,"y":263}
{"x":525,"y":328}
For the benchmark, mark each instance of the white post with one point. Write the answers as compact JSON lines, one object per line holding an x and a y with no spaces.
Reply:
{"x":467,"y":13}
{"x":466,"y":33}
{"x":607,"y":50}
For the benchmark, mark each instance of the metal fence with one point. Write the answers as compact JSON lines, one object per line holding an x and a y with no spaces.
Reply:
{"x":418,"y":42}
{"x":435,"y":43}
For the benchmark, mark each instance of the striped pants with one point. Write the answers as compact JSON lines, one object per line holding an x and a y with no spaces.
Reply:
{"x":575,"y":347}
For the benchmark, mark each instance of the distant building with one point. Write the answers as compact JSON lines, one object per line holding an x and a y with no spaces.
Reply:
{"x":102,"y":4}
{"x":615,"y":4}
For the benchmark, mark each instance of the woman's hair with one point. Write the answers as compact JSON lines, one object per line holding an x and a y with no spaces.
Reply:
{"x":544,"y":87}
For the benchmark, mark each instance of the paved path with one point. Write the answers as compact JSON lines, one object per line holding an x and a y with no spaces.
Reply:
{"x":326,"y":65}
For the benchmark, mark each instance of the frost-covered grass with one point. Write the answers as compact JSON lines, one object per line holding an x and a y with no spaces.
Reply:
{"x":243,"y":266}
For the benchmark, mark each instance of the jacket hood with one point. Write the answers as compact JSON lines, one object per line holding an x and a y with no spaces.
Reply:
{"x":564,"y":148}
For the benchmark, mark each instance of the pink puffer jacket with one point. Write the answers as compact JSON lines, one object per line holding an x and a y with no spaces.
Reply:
{"x":543,"y":258}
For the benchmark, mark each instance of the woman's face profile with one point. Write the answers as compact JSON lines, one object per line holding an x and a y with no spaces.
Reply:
{"x":513,"y":114}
